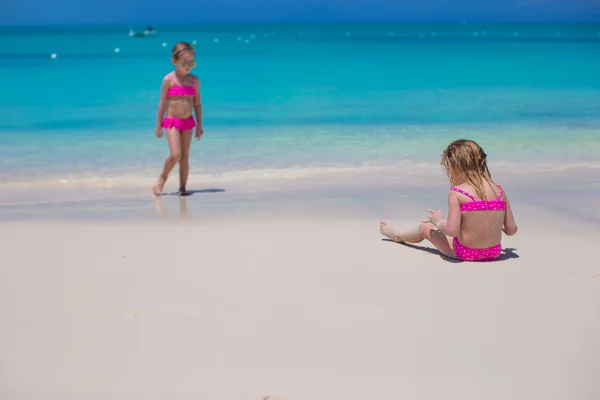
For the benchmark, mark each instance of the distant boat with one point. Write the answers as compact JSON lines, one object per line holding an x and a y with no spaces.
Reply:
{"x":149,"y":31}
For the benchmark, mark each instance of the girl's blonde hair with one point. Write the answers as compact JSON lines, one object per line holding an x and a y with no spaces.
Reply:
{"x":180,"y":48}
{"x":464,"y":159}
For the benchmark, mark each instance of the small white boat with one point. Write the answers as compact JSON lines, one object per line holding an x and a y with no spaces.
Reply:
{"x":149,"y":31}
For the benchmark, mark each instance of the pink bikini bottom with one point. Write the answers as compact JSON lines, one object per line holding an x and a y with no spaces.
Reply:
{"x":179,"y":124}
{"x":467,"y":254}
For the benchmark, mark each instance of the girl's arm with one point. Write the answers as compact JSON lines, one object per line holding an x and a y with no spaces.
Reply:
{"x":450,"y":227}
{"x":162,"y":104}
{"x":510,"y":226}
{"x":198,"y":104}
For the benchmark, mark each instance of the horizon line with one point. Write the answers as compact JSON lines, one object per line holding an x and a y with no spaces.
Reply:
{"x":212,"y":23}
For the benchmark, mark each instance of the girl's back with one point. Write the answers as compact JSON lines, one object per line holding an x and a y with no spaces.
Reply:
{"x":481,"y":219}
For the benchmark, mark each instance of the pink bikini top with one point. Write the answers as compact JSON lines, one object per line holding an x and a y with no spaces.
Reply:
{"x":481,"y":205}
{"x":180,"y":90}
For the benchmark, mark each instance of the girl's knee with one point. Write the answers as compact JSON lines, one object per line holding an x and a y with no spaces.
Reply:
{"x":425,"y":228}
{"x":175,"y":157}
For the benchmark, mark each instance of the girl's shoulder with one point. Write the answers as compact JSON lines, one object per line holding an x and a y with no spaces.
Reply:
{"x":461,"y":192}
{"x":497,"y":190}
{"x":168,"y":78}
{"x":463,"y":187}
{"x":491,"y":189}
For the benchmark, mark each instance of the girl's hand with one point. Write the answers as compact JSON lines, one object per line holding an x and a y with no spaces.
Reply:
{"x":159,"y":132}
{"x":199,"y":132}
{"x":435,"y":217}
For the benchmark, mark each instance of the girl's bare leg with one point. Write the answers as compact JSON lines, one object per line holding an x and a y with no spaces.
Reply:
{"x":174,"y":140}
{"x":426,"y":230}
{"x":411,"y":236}
{"x":184,"y":162}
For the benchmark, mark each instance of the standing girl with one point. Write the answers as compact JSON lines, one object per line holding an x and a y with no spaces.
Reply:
{"x":179,"y":96}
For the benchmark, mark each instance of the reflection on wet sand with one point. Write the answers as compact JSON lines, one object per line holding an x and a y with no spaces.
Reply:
{"x":159,"y":205}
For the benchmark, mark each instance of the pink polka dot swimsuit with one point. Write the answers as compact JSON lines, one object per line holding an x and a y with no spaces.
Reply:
{"x":179,"y":91}
{"x":466,"y":253}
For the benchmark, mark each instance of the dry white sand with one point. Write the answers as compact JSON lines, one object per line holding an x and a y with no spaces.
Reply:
{"x":307,"y":309}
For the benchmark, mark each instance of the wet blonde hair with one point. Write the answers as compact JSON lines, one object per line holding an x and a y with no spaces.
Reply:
{"x":180,"y":48}
{"x":465,"y":159}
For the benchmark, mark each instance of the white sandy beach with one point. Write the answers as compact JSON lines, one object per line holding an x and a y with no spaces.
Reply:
{"x":272,"y":278}
{"x":313,"y":308}
{"x":242,"y":293}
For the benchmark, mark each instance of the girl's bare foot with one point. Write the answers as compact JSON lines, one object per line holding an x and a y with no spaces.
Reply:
{"x":158,"y":188}
{"x":387,"y":231}
{"x":183,"y":191}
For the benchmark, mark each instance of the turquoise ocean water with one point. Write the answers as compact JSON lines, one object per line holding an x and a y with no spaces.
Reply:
{"x":289,"y":97}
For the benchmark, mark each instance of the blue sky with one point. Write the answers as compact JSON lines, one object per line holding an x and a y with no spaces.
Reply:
{"x":64,"y":12}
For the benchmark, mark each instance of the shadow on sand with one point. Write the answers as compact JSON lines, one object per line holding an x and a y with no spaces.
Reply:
{"x":506,"y":254}
{"x":193,"y":192}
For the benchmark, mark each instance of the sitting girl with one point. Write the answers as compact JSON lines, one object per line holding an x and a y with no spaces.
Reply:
{"x":478,"y":209}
